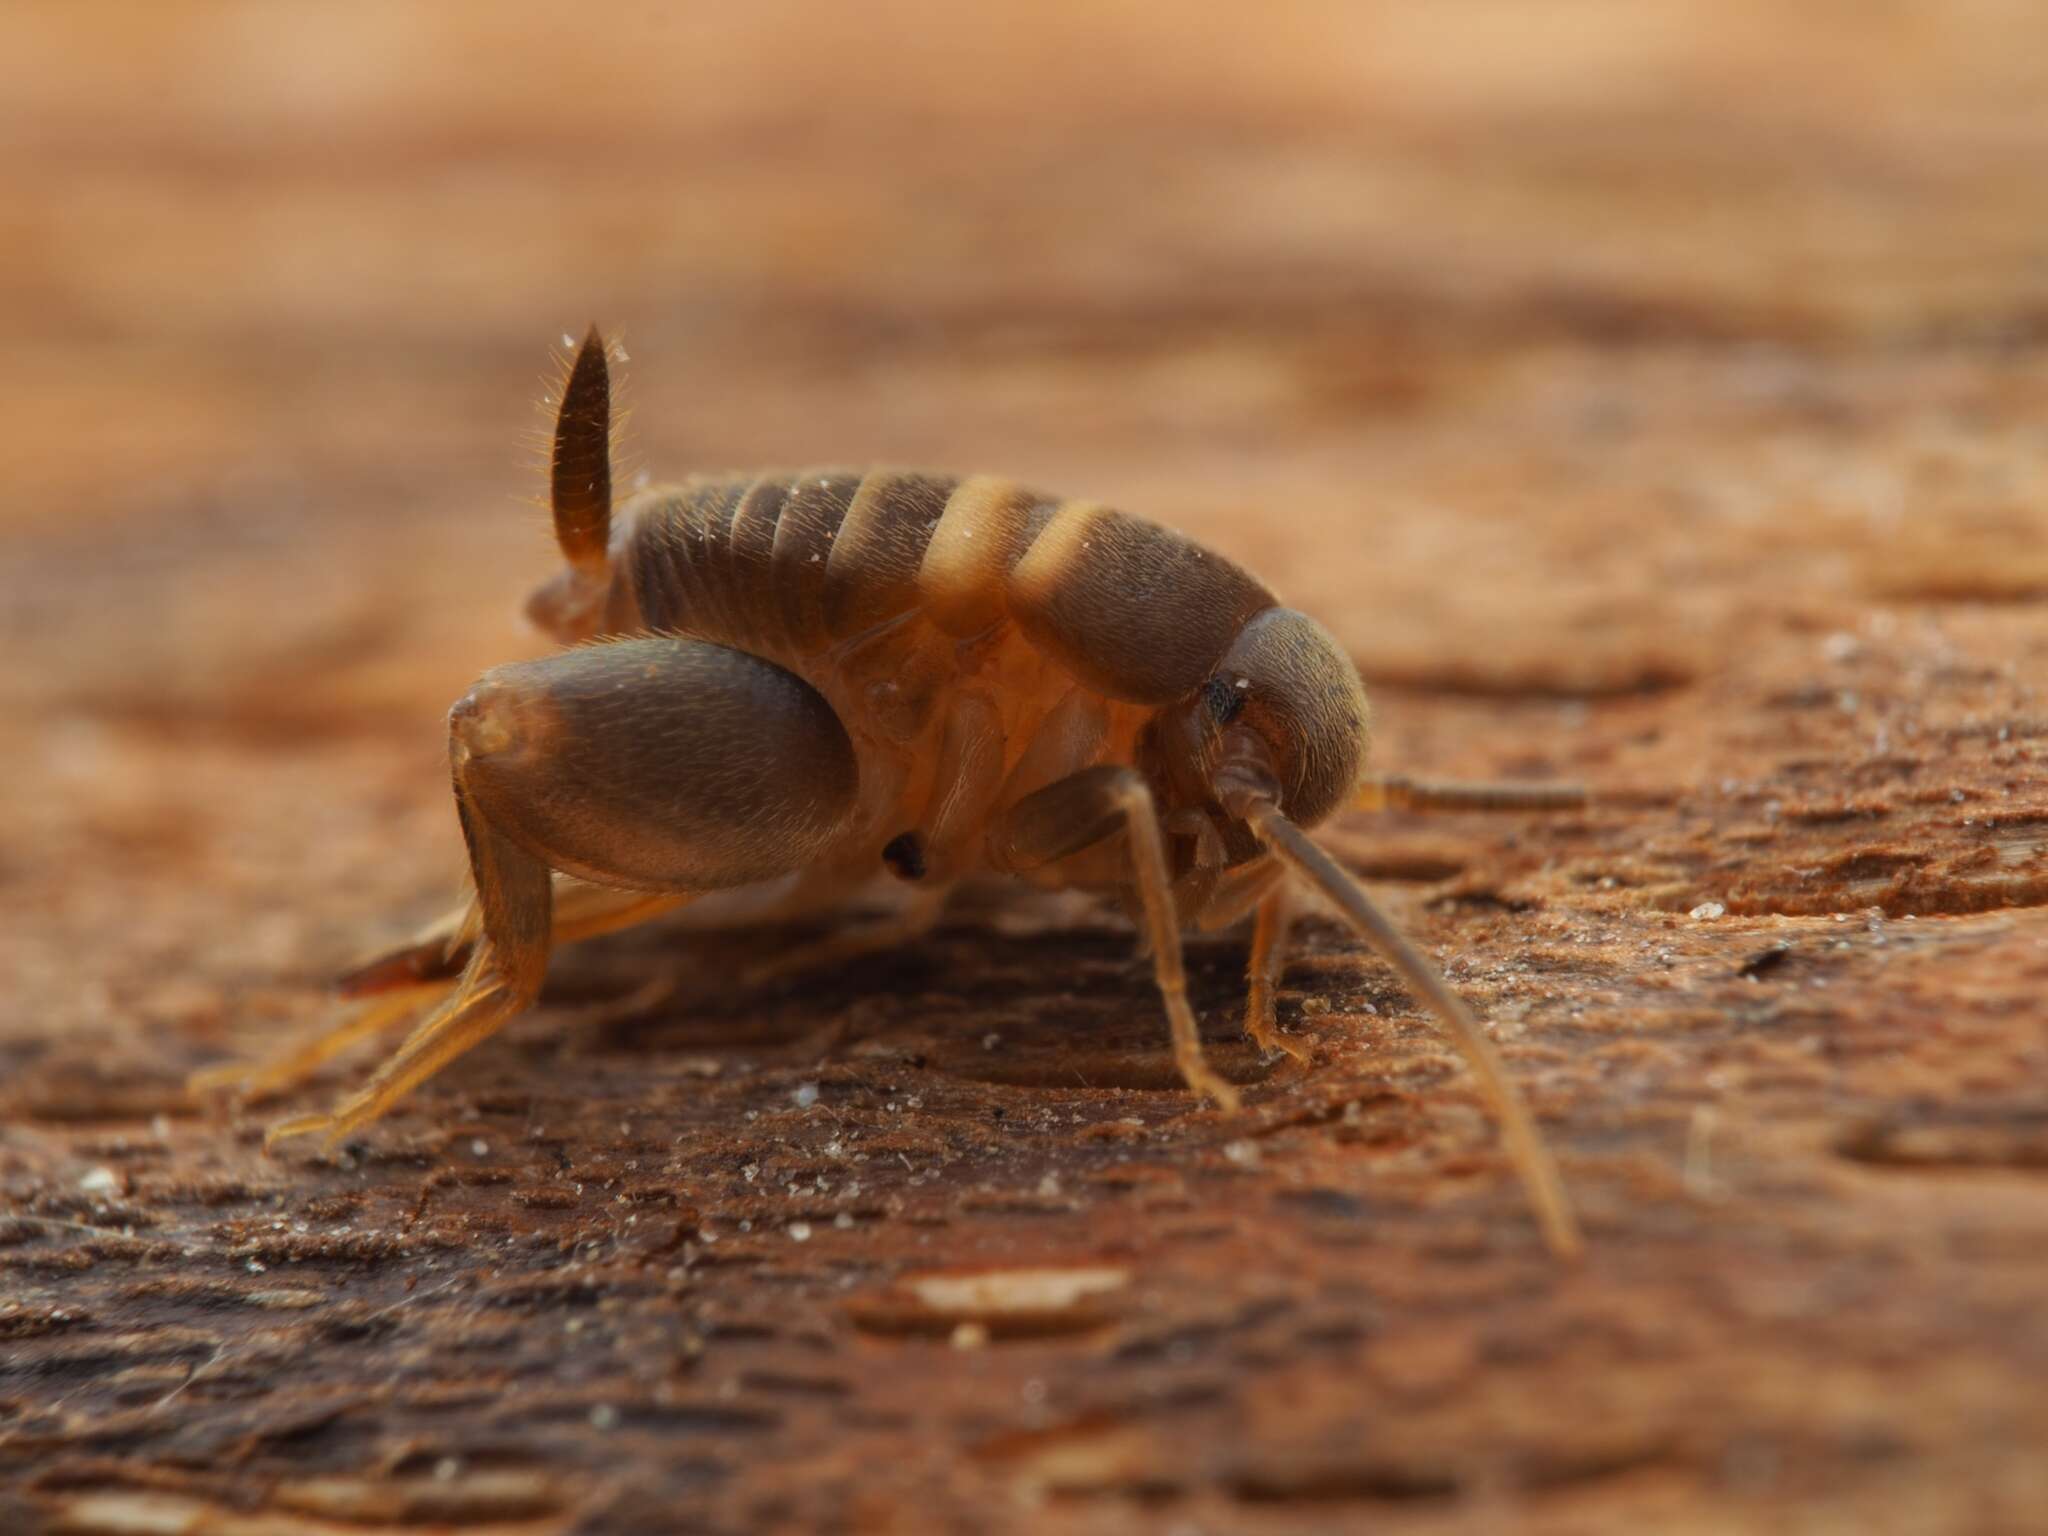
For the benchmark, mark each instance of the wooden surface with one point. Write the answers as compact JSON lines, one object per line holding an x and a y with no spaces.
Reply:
{"x":1647,"y":394}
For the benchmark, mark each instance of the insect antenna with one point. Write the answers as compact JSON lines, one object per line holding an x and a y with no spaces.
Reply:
{"x":1531,"y":1157}
{"x":580,"y":470}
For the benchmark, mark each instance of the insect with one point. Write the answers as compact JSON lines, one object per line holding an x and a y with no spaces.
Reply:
{"x":776,"y":690}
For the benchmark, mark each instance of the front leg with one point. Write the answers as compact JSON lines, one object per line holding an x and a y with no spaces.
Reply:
{"x":1082,"y":809}
{"x":658,"y":765}
{"x":1268,"y":960}
{"x":1261,"y":886}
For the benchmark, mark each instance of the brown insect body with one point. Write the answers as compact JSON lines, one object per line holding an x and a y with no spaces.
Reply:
{"x":777,"y":688}
{"x":964,"y":634}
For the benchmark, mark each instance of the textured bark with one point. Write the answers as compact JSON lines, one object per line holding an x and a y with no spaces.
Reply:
{"x":1657,"y":402}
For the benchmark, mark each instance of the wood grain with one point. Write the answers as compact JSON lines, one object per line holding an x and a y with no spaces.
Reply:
{"x":1649,"y":395}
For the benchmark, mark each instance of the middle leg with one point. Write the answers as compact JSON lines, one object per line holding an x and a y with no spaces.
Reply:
{"x":855,"y":941}
{"x":1082,"y":809}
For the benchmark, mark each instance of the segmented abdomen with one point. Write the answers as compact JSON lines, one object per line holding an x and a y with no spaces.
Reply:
{"x":795,"y":564}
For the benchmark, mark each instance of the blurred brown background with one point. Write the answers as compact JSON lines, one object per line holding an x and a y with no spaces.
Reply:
{"x":1651,"y":394}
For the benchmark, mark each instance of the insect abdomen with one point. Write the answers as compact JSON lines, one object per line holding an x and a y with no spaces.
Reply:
{"x":792,"y":564}
{"x":784,"y":563}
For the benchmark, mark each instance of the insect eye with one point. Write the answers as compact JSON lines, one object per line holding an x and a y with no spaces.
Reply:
{"x":1224,"y":698}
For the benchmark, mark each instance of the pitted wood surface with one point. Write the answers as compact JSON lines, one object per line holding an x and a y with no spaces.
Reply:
{"x":1653,"y":399}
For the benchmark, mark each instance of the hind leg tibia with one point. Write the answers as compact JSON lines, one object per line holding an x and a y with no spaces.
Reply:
{"x":514,"y":894}
{"x":440,"y":952}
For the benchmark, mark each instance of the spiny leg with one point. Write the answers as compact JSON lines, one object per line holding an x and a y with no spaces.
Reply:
{"x":1268,"y":960}
{"x":480,"y":1007}
{"x":253,"y":1081}
{"x":394,"y":997}
{"x":1083,"y":808}
{"x":431,"y":1051}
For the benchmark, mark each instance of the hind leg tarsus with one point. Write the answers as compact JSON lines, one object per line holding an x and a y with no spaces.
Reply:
{"x":253,"y":1081}
{"x":441,"y":954}
{"x":480,"y":1008}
